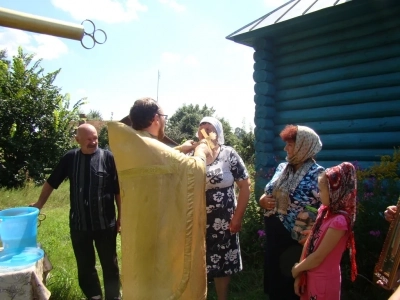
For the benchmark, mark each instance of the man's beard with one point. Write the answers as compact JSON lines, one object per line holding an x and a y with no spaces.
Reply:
{"x":161,"y":133}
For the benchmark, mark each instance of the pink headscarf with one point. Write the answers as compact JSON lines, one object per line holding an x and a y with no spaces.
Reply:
{"x":342,"y":183}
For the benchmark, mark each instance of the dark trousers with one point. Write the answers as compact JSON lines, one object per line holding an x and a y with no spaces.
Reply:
{"x":106,"y":242}
{"x":281,"y":252}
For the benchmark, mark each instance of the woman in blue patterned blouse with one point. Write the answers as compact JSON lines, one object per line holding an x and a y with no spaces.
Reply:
{"x":293,"y":187}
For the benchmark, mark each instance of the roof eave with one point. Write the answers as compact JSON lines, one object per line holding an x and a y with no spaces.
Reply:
{"x":304,"y":22}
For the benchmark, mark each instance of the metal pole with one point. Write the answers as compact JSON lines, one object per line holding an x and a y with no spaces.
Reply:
{"x":15,"y":19}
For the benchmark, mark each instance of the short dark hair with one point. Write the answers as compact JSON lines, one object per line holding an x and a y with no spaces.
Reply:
{"x":142,"y":113}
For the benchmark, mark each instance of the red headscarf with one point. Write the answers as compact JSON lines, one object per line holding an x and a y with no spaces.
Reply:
{"x":342,"y":184}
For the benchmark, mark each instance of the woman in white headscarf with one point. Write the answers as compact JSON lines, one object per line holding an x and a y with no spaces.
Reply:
{"x":224,"y":211}
{"x":293,"y":187}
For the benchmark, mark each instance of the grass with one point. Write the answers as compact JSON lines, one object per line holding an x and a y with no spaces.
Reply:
{"x":62,"y":282}
{"x":53,"y":234}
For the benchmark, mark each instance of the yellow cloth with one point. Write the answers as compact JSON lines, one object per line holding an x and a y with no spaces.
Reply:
{"x":163,"y":218}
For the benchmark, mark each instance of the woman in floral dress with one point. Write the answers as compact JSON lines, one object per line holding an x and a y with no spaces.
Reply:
{"x":224,"y":211}
{"x":293,"y":187}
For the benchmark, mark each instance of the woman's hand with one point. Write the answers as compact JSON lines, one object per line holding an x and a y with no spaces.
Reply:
{"x":390,"y":212}
{"x":299,"y":290}
{"x":236,"y":224}
{"x":295,"y":273}
{"x":267,"y":202}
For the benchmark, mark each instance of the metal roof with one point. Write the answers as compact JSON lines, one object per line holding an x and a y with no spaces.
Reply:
{"x":291,"y":9}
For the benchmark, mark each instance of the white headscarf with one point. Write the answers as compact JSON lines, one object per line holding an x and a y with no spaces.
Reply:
{"x":218,"y":127}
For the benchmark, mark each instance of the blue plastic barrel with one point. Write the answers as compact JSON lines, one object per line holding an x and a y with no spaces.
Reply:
{"x":18,"y":228}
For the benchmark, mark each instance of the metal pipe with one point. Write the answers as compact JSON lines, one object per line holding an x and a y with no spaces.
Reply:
{"x":18,"y":20}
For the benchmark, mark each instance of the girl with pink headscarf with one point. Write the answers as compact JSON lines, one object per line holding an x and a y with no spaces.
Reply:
{"x":317,"y":276}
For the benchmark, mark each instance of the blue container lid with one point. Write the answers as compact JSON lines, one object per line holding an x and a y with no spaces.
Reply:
{"x":12,"y":261}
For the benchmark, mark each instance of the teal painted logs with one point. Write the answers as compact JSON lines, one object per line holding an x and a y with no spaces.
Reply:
{"x":263,"y":122}
{"x":263,"y":65}
{"x":328,"y":50}
{"x":263,"y":44}
{"x":264,"y":88}
{"x":263,"y":76}
{"x":264,"y":147}
{"x":327,"y":76}
{"x":262,"y":55}
{"x":354,"y":125}
{"x":343,"y":112}
{"x":358,"y":141}
{"x":337,"y":61}
{"x":267,"y":112}
{"x":356,"y":20}
{"x":264,"y":135}
{"x":344,"y":98}
{"x":265,"y":160}
{"x":263,"y":100}
{"x":391,"y":79}
{"x":364,"y":31}
{"x":349,"y":154}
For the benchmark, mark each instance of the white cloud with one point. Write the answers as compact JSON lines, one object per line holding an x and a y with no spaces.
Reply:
{"x":235,"y":54}
{"x":170,"y":58}
{"x":110,"y":11}
{"x":46,"y":47}
{"x":81,"y":93}
{"x":174,"y":5}
{"x":191,"y":60}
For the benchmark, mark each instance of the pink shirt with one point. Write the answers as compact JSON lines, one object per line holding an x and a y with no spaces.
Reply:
{"x":324,"y":281}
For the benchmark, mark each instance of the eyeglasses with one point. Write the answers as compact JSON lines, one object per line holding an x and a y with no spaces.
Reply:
{"x":165,"y":116}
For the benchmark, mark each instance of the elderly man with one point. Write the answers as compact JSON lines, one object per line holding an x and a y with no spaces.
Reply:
{"x":93,"y":189}
{"x":163,"y":230}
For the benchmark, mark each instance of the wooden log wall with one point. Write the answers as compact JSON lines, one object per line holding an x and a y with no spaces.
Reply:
{"x":342,"y":80}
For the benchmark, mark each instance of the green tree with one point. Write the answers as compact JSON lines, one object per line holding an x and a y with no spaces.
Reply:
{"x":103,"y":137}
{"x":184,"y":123}
{"x":36,"y":122}
{"x":94,"y":115}
{"x":245,"y":144}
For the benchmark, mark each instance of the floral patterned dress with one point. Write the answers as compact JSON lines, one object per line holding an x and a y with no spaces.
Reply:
{"x":306,"y":193}
{"x":223,"y":249}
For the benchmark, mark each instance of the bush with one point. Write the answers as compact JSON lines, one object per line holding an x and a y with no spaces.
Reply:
{"x":36,"y":121}
{"x":378,"y":187}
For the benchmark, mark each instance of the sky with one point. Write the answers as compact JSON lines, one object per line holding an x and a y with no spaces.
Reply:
{"x":174,"y":51}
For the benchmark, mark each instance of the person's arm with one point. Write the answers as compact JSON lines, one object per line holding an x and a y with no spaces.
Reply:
{"x":186,"y":147}
{"x":242,"y":201}
{"x":58,"y":175}
{"x":328,"y":243}
{"x":44,"y":195}
{"x":203,"y":151}
{"x":267,"y":201}
{"x":118,"y":203}
{"x":116,"y":189}
{"x":241,"y":177}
